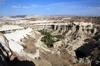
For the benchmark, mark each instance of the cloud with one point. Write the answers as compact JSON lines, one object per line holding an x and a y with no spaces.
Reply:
{"x":48,"y":6}
{"x":2,"y":2}
{"x":90,"y":11}
{"x":66,"y":5}
{"x":74,"y":8}
{"x":25,"y":7}
{"x":47,"y":9}
{"x":20,"y":7}
{"x":97,"y":8}
{"x":56,"y":4}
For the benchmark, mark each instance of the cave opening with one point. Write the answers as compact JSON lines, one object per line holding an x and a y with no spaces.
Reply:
{"x":17,"y":62}
{"x":85,"y":50}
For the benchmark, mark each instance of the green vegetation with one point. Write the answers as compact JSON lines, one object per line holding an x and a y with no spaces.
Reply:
{"x":24,"y":46}
{"x":48,"y":39}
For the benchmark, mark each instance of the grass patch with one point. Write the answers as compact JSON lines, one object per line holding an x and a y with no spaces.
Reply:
{"x":48,"y":39}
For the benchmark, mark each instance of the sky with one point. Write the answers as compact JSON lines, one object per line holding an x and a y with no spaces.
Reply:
{"x":50,"y":7}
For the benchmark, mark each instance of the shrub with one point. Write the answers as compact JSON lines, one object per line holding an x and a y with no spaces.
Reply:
{"x":48,"y":38}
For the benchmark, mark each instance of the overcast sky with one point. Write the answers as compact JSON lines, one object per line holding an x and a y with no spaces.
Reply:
{"x":50,"y":7}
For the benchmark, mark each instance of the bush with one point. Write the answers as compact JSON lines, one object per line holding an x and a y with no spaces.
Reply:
{"x":48,"y":38}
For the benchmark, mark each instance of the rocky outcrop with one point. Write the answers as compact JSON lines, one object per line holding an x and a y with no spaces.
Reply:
{"x":10,"y":49}
{"x":5,"y":59}
{"x":76,"y":47}
{"x":79,"y":39}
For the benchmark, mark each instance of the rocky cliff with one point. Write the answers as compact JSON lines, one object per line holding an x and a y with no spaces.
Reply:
{"x":67,"y":44}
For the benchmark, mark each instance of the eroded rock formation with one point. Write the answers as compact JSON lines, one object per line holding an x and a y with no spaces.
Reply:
{"x":78,"y":45}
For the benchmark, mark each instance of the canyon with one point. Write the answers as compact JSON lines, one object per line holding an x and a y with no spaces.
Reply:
{"x":49,"y":41}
